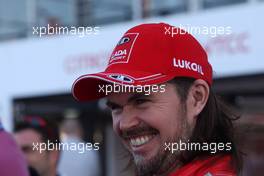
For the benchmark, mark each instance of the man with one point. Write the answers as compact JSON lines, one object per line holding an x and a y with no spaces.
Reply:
{"x":179,"y":128}
{"x":30,"y":134}
{"x":12,"y":162}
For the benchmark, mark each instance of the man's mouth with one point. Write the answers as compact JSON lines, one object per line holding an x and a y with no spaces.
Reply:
{"x":140,"y":140}
{"x":139,"y":136}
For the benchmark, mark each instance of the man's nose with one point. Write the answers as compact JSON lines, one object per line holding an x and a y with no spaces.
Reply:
{"x":129,"y":118}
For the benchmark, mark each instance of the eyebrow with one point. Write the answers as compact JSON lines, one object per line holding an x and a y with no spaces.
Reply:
{"x":130,"y":99}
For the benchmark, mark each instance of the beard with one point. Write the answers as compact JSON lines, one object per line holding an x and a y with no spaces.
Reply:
{"x":164,"y":161}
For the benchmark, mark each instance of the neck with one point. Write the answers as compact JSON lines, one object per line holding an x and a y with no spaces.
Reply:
{"x":173,"y":168}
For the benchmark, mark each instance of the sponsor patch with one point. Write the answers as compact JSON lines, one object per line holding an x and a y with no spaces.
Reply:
{"x":122,"y":51}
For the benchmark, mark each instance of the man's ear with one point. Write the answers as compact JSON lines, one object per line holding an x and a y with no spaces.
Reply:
{"x":197,"y":97}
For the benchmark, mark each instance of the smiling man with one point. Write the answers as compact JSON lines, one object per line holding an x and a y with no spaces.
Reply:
{"x":180,"y":128}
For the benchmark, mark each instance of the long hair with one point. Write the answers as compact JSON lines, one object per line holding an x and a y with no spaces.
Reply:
{"x":214,"y":125}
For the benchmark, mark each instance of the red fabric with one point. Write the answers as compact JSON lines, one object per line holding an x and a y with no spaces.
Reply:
{"x":219,"y":165}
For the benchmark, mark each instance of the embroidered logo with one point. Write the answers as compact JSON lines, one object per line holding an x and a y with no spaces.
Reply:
{"x":123,"y":49}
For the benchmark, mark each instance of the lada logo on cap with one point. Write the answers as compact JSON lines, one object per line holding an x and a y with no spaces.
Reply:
{"x":123,"y":49}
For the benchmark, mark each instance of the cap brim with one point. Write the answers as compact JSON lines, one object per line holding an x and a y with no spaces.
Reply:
{"x":90,"y":86}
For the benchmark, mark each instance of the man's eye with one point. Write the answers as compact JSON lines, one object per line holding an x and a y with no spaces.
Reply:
{"x":116,"y":110}
{"x":141,"y":101}
{"x":114,"y":107}
{"x":27,"y":149}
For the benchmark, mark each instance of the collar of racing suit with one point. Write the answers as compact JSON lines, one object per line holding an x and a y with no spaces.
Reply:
{"x":217,"y":165}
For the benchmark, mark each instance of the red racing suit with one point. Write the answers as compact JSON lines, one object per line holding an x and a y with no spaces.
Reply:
{"x":218,"y":165}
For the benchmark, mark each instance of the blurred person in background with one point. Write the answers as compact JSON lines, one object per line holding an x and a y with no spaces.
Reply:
{"x":12,"y":161}
{"x":86,"y":163}
{"x":33,"y":130}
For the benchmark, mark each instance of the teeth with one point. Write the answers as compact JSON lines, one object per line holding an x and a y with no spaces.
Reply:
{"x":140,"y":140}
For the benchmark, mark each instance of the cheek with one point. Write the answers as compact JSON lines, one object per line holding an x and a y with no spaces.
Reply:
{"x":115,"y":124}
{"x":34,"y":158}
{"x":165,"y":119}
{"x":155,"y":117}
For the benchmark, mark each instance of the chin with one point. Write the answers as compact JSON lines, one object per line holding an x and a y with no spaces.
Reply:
{"x":146,"y":157}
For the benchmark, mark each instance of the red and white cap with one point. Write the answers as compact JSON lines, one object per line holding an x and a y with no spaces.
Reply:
{"x":148,"y":54}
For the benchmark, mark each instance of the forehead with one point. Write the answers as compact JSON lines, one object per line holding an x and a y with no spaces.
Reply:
{"x":27,"y":136}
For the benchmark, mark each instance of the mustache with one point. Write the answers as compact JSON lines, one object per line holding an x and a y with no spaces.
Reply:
{"x":138,"y":130}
